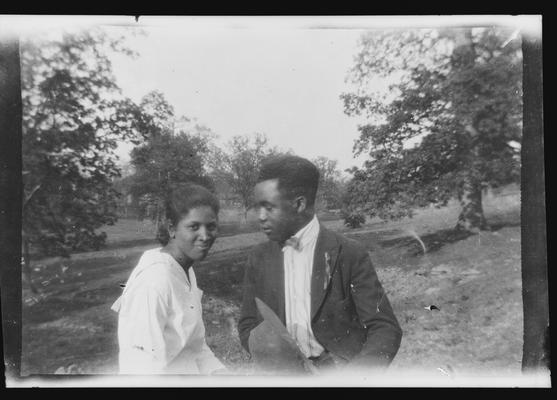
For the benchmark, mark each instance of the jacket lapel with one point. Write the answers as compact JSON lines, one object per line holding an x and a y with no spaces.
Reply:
{"x":324,"y":264}
{"x":275,"y":280}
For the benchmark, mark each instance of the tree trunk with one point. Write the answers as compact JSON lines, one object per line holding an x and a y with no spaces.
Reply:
{"x":471,"y":217}
{"x":157,"y":217}
{"x":535,"y":298}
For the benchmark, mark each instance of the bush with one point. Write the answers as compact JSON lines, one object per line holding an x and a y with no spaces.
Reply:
{"x":353,"y":219}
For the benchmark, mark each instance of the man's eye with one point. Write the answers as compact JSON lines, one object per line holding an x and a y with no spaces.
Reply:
{"x":267,"y":207}
{"x":194,"y":227}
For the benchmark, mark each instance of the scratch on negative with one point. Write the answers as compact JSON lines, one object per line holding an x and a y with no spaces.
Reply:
{"x":380,"y":300}
{"x":327,"y":270}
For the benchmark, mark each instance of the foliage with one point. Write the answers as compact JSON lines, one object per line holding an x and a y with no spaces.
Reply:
{"x":450,"y":122}
{"x":353,"y":219}
{"x":172,"y":154}
{"x":331,"y":185}
{"x":73,"y":117}
{"x":239,"y":165}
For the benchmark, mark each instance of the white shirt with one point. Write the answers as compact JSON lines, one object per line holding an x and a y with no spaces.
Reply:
{"x":160,"y":325}
{"x":298,"y":265}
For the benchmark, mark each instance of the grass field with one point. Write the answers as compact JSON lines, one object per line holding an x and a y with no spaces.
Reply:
{"x":475,"y":281}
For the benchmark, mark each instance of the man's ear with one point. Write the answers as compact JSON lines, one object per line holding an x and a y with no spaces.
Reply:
{"x":300,"y":203}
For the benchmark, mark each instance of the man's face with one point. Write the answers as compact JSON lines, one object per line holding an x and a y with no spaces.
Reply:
{"x":276,"y":214}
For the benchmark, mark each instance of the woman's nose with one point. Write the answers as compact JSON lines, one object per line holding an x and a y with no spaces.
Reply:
{"x":203,"y":233}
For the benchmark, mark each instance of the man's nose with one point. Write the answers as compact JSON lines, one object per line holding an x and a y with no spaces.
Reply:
{"x":262,"y":214}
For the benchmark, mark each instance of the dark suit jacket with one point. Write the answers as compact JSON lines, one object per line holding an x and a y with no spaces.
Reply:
{"x":351,"y":315}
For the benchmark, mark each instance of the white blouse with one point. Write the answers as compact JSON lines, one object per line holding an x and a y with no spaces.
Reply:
{"x":160,"y":325}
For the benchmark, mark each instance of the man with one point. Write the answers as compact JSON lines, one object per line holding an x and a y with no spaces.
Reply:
{"x":321,"y":285}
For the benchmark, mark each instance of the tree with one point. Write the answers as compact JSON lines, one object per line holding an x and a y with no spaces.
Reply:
{"x":73,"y":117}
{"x":171,"y":155}
{"x":329,"y":193}
{"x":450,"y":125}
{"x":240,"y":164}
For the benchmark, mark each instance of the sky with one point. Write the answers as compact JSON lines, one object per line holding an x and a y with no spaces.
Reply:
{"x":283,"y":82}
{"x":279,"y":76}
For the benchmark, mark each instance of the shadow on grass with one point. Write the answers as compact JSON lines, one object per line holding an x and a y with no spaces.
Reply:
{"x":499,"y":225}
{"x":53,"y":308}
{"x":432,"y":241}
{"x":129,"y":243}
{"x":222,"y":275}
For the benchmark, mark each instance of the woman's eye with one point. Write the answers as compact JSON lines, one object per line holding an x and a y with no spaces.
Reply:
{"x":194,"y":227}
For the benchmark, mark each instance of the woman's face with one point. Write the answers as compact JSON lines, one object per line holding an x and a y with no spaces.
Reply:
{"x":195,"y":233}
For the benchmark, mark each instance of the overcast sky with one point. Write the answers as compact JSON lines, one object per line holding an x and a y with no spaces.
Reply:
{"x":282,"y":82}
{"x":280,"y":76}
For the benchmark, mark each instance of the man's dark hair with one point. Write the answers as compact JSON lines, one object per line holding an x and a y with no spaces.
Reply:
{"x":296,"y":176}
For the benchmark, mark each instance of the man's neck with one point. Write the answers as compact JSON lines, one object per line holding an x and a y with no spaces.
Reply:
{"x":304,"y":222}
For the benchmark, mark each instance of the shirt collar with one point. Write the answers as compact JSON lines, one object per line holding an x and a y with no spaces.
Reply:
{"x":308,"y":233}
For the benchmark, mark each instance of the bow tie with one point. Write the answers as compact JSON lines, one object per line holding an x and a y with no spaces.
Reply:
{"x":294,"y":242}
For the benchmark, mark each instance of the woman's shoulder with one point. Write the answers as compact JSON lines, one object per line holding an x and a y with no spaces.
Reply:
{"x":153,"y":269}
{"x":152,"y":256}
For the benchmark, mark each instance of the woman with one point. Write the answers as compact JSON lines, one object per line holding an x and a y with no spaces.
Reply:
{"x":160,"y":325}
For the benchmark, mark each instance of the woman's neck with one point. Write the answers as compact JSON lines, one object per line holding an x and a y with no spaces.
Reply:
{"x":184,"y":261}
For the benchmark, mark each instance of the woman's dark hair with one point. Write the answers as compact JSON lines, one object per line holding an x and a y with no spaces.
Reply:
{"x":296,"y":176}
{"x":180,"y":202}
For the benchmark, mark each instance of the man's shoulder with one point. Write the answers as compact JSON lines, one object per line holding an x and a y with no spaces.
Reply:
{"x":349,"y":246}
{"x":342,"y":239}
